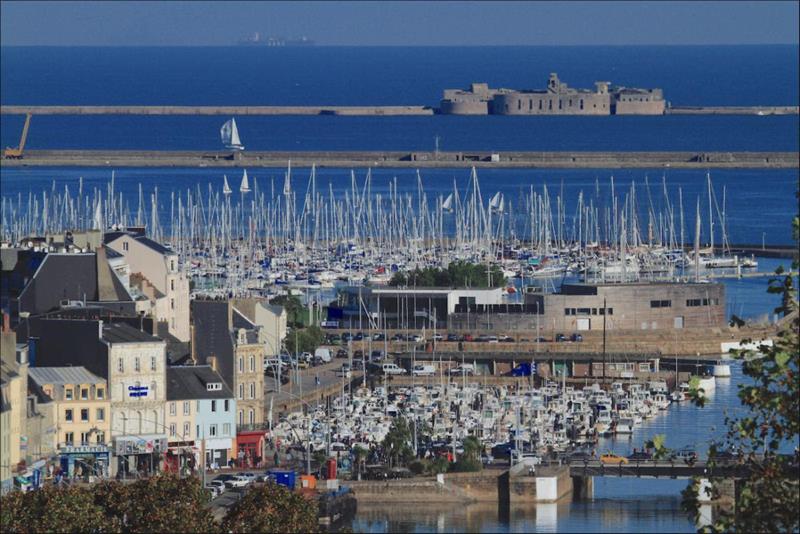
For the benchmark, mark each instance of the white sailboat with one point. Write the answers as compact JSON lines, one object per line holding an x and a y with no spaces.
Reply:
{"x":230,"y":135}
{"x":226,"y":189}
{"x":447,"y":205}
{"x":245,"y":185}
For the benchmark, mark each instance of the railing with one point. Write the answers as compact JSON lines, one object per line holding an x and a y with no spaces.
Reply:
{"x":252,"y":427}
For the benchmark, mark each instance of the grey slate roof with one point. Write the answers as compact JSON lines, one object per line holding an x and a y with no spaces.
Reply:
{"x":189,"y":383}
{"x":241,"y":321}
{"x":64,"y":375}
{"x":158,"y":247}
{"x":124,"y":333}
{"x":212,"y":337}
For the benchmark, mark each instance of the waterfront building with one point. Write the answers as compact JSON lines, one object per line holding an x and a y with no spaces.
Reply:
{"x":200,"y":418}
{"x":271,"y":320}
{"x":557,"y":99}
{"x":231,"y":344}
{"x":14,"y":388}
{"x":390,"y":307}
{"x":81,"y":426}
{"x":155,"y":274}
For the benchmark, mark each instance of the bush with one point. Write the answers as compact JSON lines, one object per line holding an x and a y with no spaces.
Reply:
{"x":272,"y":508}
{"x":417,"y":467}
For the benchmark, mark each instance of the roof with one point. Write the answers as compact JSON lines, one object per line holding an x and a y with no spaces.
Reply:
{"x":64,"y":375}
{"x":123,"y":333}
{"x":212,"y":336}
{"x":158,"y":247}
{"x":240,"y":321}
{"x":189,"y":382}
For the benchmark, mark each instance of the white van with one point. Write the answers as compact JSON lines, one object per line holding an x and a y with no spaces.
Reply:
{"x":392,"y":369}
{"x":424,"y":370}
{"x":323,"y":355}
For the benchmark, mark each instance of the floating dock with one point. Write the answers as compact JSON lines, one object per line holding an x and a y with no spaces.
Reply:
{"x":592,"y":160}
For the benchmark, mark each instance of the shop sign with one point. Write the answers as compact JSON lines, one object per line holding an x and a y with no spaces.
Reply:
{"x":137,"y":391}
{"x":81,"y":449}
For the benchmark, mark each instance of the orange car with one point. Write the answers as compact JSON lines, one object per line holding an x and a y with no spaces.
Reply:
{"x":611,"y":458}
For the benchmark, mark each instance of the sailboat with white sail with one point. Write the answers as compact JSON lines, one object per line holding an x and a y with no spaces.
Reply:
{"x":230,"y":135}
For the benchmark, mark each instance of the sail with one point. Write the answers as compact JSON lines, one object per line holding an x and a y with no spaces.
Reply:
{"x":235,"y":134}
{"x":496,"y":200}
{"x":226,"y":189}
{"x":447,"y":205}
{"x":245,"y":186}
{"x":229,"y":134}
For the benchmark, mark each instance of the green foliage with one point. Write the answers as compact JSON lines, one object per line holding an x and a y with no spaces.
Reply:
{"x":438,"y":465}
{"x":771,"y":398}
{"x":164,"y":503}
{"x":305,"y":340}
{"x":294,"y":309}
{"x":661,"y":452}
{"x":457,"y":274}
{"x":53,"y":509}
{"x":470,"y":460}
{"x":272,"y":508}
{"x":397,"y":442}
{"x":417,"y":467}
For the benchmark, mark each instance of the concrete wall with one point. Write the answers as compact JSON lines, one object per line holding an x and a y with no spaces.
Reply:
{"x":519,"y":103}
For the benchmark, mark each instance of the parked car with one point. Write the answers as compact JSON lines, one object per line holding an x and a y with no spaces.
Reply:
{"x":252,"y":477}
{"x":576,"y":338}
{"x":505,"y":339}
{"x":358,"y":365}
{"x":359,"y":336}
{"x":466,"y":369}
{"x":344,"y":370}
{"x":611,"y":458}
{"x":378,"y":337}
{"x":416,"y":338}
{"x":483,"y":338}
{"x":219,"y":485}
{"x":437,"y":337}
{"x":214,"y":490}
{"x":335,"y":338}
{"x":323,"y":355}
{"x":223,"y":478}
{"x":237,"y":481}
{"x":376,"y":355}
{"x":452,"y":337}
{"x":542,"y":340}
{"x":392,"y":369}
{"x":468,"y":337}
{"x":397,"y":337}
{"x":560,"y":338}
{"x":423,"y":370}
{"x":487,"y":459}
{"x":358,"y":354}
{"x":580,"y":455}
{"x":341,"y":353}
{"x":492,"y":339}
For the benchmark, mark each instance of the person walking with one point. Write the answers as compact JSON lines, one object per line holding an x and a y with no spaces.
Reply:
{"x":276,"y":458}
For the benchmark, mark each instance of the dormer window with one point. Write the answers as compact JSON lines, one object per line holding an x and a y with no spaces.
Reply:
{"x":214,"y":386}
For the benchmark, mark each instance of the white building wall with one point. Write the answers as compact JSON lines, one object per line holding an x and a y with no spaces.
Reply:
{"x":132,"y":415}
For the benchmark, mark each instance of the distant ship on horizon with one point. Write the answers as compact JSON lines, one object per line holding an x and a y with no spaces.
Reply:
{"x":256,"y":39}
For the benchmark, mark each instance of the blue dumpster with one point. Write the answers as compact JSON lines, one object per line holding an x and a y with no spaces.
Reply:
{"x":282,"y":477}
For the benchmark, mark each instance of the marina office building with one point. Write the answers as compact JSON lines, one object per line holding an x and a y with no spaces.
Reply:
{"x":576,"y":307}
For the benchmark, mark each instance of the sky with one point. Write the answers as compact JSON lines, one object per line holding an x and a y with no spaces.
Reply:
{"x":177,"y":23}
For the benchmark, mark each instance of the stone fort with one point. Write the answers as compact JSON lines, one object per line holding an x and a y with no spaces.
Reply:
{"x":557,"y":99}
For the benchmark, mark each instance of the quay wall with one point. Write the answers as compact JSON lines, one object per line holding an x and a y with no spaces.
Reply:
{"x":218,"y":110}
{"x":132,"y":158}
{"x":732,"y":110}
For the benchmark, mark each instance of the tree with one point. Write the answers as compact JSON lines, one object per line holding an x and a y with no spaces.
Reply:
{"x":457,"y":274}
{"x":397,"y":443}
{"x":272,"y":508}
{"x":53,"y":509}
{"x":305,"y":340}
{"x":293,"y":306}
{"x":768,"y":500}
{"x":470,"y":460}
{"x":359,"y":456}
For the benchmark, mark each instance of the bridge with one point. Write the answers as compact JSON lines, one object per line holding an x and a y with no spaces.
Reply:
{"x":657,"y":469}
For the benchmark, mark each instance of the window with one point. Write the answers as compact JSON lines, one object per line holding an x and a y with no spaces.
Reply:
{"x":101,"y":414}
{"x":660,"y":303}
{"x":84,"y":438}
{"x":252,"y":390}
{"x":101,"y":437}
{"x":68,"y":415}
{"x":125,"y":246}
{"x":581,"y":102}
{"x":68,"y":393}
{"x":212,"y":430}
{"x":186,"y":430}
{"x":540,"y":104}
{"x":226,"y":429}
{"x":172,"y":304}
{"x":101,"y":393}
{"x":136,"y":364}
{"x":172,"y":285}
{"x":69,"y":437}
{"x":252,"y":417}
{"x":611,"y":311}
{"x":172,"y":408}
{"x":84,"y":393}
{"x":172,"y":429}
{"x":241,"y":391}
{"x":584,"y":311}
{"x":198,"y":430}
{"x":187,"y":408}
{"x":241,"y":364}
{"x":252,"y":363}
{"x":213,"y":406}
{"x":559,"y":104}
{"x":152,"y":363}
{"x":227,"y":405}
{"x":241,"y":417}
{"x":84,"y":414}
{"x":120,"y":366}
{"x":550,"y":105}
{"x":172,"y":265}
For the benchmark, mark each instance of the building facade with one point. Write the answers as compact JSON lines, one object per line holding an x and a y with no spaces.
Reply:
{"x":14,"y":386}
{"x":155,"y":273}
{"x":82,"y":418}
{"x":137,"y":379}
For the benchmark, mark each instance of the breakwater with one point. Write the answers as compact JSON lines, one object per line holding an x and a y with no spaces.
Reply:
{"x":388,"y":111}
{"x":163,"y":158}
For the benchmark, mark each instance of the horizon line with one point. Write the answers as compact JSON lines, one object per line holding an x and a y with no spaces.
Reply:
{"x":238,"y":45}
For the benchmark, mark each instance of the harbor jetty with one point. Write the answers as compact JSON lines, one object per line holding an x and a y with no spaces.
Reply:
{"x":401,"y":159}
